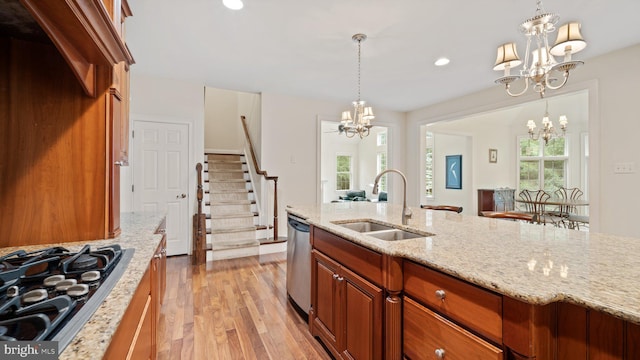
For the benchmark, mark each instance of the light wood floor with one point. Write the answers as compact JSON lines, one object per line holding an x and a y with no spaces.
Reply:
{"x":232,"y":309}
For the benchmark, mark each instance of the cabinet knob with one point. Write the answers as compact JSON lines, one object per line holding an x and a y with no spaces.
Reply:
{"x":440,"y":353}
{"x":440,"y":294}
{"x":336,"y":276}
{"x":181,"y":196}
{"x":119,"y":163}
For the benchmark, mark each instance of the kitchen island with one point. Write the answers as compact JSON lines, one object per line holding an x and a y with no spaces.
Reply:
{"x":541,"y":273}
{"x":139,"y":232}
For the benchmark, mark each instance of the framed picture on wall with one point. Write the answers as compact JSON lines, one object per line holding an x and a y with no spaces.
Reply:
{"x":493,"y":155}
{"x":453,"y":172}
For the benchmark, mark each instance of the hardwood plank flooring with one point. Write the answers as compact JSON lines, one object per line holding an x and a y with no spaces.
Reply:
{"x":232,"y":309}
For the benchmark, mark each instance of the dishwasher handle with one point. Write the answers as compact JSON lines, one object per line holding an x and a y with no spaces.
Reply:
{"x":299,"y":226}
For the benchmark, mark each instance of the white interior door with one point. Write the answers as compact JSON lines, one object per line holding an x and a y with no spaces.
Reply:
{"x":161,"y":177}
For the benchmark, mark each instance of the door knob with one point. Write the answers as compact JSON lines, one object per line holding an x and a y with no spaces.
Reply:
{"x":181,"y":196}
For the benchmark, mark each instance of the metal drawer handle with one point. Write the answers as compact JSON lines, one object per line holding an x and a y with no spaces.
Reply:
{"x":440,"y":353}
{"x":440,"y":294}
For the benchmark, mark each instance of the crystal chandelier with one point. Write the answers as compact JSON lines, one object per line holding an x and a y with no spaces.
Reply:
{"x":539,"y":63}
{"x":547,"y":131}
{"x":360,"y":122}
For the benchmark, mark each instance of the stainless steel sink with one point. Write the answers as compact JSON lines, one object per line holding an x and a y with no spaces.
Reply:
{"x":395,"y":234}
{"x":382,"y":231}
{"x":365,"y":226}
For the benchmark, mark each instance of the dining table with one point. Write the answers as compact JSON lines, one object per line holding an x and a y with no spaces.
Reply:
{"x":560,"y":214}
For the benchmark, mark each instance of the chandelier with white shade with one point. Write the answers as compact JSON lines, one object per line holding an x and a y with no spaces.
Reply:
{"x":548,"y":131}
{"x":540,"y":67}
{"x":360,"y":121}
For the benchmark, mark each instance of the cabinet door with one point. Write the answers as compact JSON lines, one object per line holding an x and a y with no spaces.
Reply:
{"x":115,"y":113}
{"x":361,"y":306}
{"x":325,"y":320}
{"x":141,"y":347}
{"x":133,"y":338}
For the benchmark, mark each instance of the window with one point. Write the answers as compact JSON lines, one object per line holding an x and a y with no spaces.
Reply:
{"x":428,"y":166}
{"x":381,"y":139}
{"x":343,"y":172}
{"x":381,"y":165}
{"x":542,"y":166}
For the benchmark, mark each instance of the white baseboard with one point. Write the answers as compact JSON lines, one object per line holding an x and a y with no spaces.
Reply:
{"x":273,"y":248}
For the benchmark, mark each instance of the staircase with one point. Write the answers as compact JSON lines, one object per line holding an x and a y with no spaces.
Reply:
{"x":232,"y":219}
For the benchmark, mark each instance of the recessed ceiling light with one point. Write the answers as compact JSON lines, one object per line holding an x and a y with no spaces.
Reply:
{"x":442,"y":61}
{"x":233,"y":4}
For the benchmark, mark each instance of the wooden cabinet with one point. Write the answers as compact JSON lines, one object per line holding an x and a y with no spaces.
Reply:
{"x":346,"y":309}
{"x":427,"y":335}
{"x":136,"y":336}
{"x":454,"y":316}
{"x":159,"y":265}
{"x":368,"y":305}
{"x":63,"y":124}
{"x":478,"y":309}
{"x":495,"y":200}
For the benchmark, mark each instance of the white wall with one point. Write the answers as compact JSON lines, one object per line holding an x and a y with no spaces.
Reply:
{"x":368,"y":154}
{"x":290,"y":143}
{"x":499,"y":130}
{"x":332,"y":145}
{"x":223,"y":108}
{"x":166,"y":100}
{"x":445,"y":145}
{"x":614,"y":126}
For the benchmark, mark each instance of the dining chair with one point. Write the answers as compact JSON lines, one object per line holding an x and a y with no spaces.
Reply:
{"x":534,"y":200}
{"x":535,"y":204}
{"x":569,"y":213}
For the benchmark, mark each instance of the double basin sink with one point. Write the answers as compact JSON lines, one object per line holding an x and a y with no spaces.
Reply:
{"x":382,"y":231}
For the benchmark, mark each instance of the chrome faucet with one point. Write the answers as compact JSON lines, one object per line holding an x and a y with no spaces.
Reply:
{"x":406,"y":212}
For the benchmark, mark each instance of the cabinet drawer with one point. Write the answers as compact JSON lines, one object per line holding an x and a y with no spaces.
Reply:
{"x":361,"y":260}
{"x":425,"y":332}
{"x":479,"y":309}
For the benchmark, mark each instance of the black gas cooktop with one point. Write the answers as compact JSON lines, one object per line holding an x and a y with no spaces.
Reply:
{"x":51,"y":293}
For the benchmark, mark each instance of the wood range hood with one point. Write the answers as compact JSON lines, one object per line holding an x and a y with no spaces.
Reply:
{"x":85,"y":34}
{"x":64,"y":119}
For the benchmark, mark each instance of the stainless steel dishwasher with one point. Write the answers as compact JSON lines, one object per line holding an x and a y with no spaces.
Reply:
{"x":299,"y":263}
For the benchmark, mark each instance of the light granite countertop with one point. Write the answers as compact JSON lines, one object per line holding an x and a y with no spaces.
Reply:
{"x":137,"y":233}
{"x":533,"y":263}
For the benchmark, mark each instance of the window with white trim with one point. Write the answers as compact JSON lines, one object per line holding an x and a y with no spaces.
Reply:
{"x":381,"y":165}
{"x":542,"y":166}
{"x":428,"y":165}
{"x":344,"y":175}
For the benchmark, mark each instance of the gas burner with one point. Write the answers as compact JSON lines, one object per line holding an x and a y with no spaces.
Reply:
{"x":51,"y":293}
{"x":84,"y":262}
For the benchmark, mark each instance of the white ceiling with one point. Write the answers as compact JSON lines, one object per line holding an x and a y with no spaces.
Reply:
{"x":304,"y":48}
